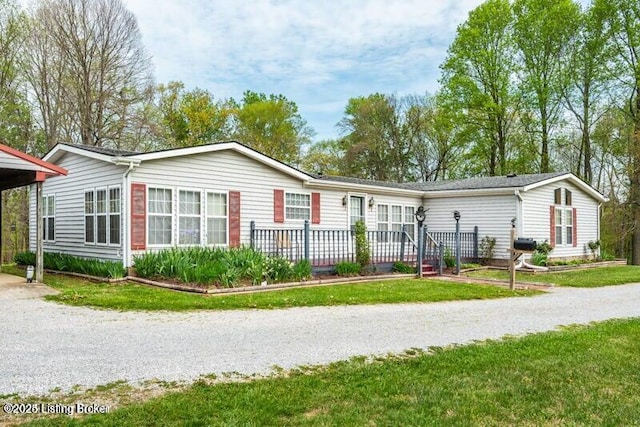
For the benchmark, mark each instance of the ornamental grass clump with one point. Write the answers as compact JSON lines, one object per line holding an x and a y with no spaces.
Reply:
{"x":73,"y":264}
{"x":218,"y":266}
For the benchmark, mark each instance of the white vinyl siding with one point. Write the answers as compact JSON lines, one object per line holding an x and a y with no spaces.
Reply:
{"x":536,"y":210}
{"x":491,"y":213}
{"x":70,"y":229}
{"x":297,"y":206}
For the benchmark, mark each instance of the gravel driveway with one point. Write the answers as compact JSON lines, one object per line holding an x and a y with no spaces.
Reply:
{"x":45,"y":345}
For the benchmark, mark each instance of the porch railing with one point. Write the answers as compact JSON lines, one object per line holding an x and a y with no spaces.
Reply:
{"x":468,"y":242}
{"x":324,"y":248}
{"x":329,"y":247}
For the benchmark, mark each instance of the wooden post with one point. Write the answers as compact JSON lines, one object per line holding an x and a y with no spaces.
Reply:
{"x":306,"y":239}
{"x":39,"y":234}
{"x":1,"y":243}
{"x":512,"y":260}
{"x":420,"y":247}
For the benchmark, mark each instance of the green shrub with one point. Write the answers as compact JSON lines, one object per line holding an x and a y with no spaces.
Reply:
{"x":449,"y":259}
{"x":73,"y":264}
{"x":487,"y":246}
{"x":302,"y":270}
{"x":544,"y":248}
{"x":278,"y":269}
{"x":607,"y":256}
{"x":541,"y":255}
{"x":362,"y":244}
{"x":593,"y":247}
{"x":25,"y":258}
{"x":404,"y":268}
{"x":539,"y":258}
{"x":347,"y":268}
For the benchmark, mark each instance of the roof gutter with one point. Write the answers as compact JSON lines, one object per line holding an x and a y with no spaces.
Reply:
{"x":433,"y":194}
{"x":336,"y":185}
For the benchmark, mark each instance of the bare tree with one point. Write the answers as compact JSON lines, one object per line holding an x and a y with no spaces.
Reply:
{"x":88,"y":69}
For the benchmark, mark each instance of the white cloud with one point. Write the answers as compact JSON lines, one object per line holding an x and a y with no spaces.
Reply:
{"x":317,"y":53}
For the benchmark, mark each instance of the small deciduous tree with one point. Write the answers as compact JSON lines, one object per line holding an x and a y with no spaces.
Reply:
{"x":272,"y":125}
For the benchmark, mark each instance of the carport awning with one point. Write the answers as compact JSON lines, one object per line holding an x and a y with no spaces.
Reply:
{"x":18,"y":169}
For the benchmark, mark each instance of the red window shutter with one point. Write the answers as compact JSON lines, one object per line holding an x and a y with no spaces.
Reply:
{"x":234,"y":219}
{"x":575,"y":228}
{"x":315,"y":208}
{"x":552,"y":230}
{"x":278,"y":205}
{"x":138,"y":216}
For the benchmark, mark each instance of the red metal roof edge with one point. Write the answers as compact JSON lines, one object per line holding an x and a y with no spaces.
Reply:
{"x":57,"y":170}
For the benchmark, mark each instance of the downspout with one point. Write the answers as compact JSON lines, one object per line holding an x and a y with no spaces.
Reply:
{"x":598,"y":231}
{"x":126,"y":251}
{"x":519,"y":213}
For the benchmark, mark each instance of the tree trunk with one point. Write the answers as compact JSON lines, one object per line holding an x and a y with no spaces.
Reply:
{"x":634,"y":184}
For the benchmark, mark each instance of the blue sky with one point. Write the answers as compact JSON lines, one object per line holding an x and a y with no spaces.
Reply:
{"x":316,"y":53}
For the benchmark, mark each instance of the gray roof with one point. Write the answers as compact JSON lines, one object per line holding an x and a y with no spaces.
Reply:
{"x":104,"y":150}
{"x":478,"y":183}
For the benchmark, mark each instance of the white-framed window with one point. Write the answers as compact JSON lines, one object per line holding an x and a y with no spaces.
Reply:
{"x":48,"y":218}
{"x":395,"y":217}
{"x":89,"y":217}
{"x":410,"y":220}
{"x":297,"y":206}
{"x":563,"y":217}
{"x":396,"y":221}
{"x":559,"y":212}
{"x":217,"y":219}
{"x":114,"y":215}
{"x":189,"y":215}
{"x":356,"y":210}
{"x":564,"y":226}
{"x":568,"y":229}
{"x":102,"y":216}
{"x":383,"y":222}
{"x":159,"y":216}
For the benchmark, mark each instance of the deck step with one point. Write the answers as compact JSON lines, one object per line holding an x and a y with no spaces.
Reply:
{"x":429,"y":270}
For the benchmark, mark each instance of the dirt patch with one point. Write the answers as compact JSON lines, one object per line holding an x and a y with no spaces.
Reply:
{"x":14,"y":287}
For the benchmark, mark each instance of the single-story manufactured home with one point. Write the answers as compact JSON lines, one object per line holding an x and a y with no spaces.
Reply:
{"x":115,"y":204}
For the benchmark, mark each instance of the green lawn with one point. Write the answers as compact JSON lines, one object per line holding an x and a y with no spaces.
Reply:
{"x":131,"y":296}
{"x":579,"y":376}
{"x":585,"y":278}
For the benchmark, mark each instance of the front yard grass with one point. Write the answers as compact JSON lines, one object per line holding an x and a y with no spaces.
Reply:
{"x":584,"y":278}
{"x":588,"y":375}
{"x":132,"y":296}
